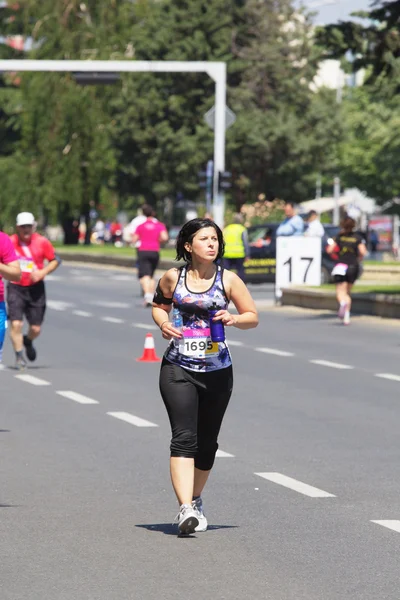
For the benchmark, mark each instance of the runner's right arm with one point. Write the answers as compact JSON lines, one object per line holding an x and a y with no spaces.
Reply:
{"x":162,"y":304}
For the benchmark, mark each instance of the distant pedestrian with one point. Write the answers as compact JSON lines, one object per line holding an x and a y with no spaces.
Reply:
{"x":314,"y":225}
{"x":27,"y":297}
{"x":196,"y":373}
{"x":100,"y":231}
{"x":373,"y":240}
{"x":236,"y":245}
{"x":350,"y":248}
{"x":10,"y":270}
{"x":151,"y":234}
{"x":293,"y":224}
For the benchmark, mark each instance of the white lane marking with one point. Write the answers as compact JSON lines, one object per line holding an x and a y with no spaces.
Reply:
{"x":32,"y":380}
{"x":222,"y":454}
{"x":124,"y":416}
{"x":122,"y":278}
{"x":394,"y":525}
{"x":53,"y":278}
{"x":77,"y":397}
{"x":144,"y":326}
{"x":58,"y":305}
{"x":332,"y":365}
{"x":273,"y":351}
{"x":112,"y":320}
{"x":297,"y":486}
{"x":105,"y":304}
{"x":84,"y":278}
{"x":388,"y":376}
{"x":82,"y":313}
{"x":233,"y":343}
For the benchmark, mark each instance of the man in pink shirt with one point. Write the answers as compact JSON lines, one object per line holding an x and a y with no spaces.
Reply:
{"x":151,"y":234}
{"x":10,"y":270}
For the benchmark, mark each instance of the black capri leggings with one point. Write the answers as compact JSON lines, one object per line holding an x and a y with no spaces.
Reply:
{"x":196,"y":404}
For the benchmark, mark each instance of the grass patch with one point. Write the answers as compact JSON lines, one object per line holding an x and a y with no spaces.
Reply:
{"x":380,"y":263}
{"x":364,"y":289}
{"x":109,"y":250}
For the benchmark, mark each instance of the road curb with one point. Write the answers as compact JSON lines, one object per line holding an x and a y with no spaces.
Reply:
{"x":128,"y":262}
{"x":380,"y":305}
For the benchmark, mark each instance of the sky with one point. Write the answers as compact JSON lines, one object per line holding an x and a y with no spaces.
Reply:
{"x":331,"y":11}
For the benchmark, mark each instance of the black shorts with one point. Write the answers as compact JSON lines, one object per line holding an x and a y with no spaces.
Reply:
{"x":147,"y":263}
{"x":29,"y":301}
{"x":352,"y":273}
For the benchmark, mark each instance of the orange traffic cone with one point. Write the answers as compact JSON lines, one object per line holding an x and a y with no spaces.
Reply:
{"x":149,"y":352}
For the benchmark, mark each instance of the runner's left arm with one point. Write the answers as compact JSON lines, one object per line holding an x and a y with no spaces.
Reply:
{"x":237,"y":291}
{"x":9,"y":264}
{"x":54,"y":262}
{"x":10,"y":271}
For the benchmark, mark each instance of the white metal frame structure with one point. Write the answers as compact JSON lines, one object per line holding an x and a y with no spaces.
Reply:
{"x":216,"y":70}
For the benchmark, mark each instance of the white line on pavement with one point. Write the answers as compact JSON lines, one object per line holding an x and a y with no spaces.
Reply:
{"x":104,"y":304}
{"x":112,"y":320}
{"x":394,"y":525}
{"x":234,"y":343}
{"x":124,"y":416}
{"x":144,"y":326}
{"x":222,"y":454}
{"x":32,"y":380}
{"x":297,"y":486}
{"x":388,"y":376}
{"x":82,"y":313}
{"x":332,"y":365}
{"x":77,"y":397}
{"x":58,"y":305}
{"x":273,"y":351}
{"x":122,"y":277}
{"x":53,"y":278}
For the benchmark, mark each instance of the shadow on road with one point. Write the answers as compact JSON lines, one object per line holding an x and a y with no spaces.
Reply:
{"x":170,"y":529}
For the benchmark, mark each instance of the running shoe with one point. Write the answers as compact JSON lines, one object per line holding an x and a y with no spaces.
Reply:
{"x":29,"y":349}
{"x":186,"y":519}
{"x":346,"y":318}
{"x":197,"y":505}
{"x":148,"y":299}
{"x":20,"y":363}
{"x":342,"y":310}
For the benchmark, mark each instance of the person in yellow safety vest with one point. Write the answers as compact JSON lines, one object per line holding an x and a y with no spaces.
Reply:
{"x":236,"y":245}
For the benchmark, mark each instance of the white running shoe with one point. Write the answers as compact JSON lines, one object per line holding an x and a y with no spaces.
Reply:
{"x":187,"y":519}
{"x":346,"y":318}
{"x":198,"y":509}
{"x":148,"y":299}
{"x":342,"y":310}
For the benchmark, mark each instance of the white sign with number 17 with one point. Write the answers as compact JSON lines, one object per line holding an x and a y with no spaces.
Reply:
{"x":298,"y":262}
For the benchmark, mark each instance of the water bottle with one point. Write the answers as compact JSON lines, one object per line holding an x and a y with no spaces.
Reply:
{"x":217,"y":329}
{"x":177,"y":320}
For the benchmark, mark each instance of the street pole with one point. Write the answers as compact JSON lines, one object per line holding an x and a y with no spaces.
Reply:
{"x":318,"y":190}
{"x":209,"y":185}
{"x":219,"y":144}
{"x":336,"y":196}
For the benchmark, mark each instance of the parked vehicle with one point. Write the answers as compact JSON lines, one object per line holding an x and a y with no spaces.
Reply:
{"x":260,"y":267}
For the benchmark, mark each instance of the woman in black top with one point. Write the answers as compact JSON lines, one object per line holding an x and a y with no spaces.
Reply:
{"x":350,"y":248}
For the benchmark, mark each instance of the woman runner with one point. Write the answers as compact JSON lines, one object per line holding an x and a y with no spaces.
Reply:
{"x":196,"y":374}
{"x":351,"y":249}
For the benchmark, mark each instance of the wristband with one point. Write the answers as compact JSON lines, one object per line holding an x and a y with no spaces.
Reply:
{"x":167,"y":321}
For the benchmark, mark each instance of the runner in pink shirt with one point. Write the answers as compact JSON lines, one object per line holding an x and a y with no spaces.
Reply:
{"x":151,"y":234}
{"x":9,"y":269}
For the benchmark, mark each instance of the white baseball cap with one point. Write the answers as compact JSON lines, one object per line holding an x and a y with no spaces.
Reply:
{"x":25,"y":218}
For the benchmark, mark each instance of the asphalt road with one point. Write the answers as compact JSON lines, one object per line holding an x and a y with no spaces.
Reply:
{"x":86,"y":504}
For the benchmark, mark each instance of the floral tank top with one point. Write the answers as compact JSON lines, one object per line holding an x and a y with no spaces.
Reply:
{"x":195,"y":351}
